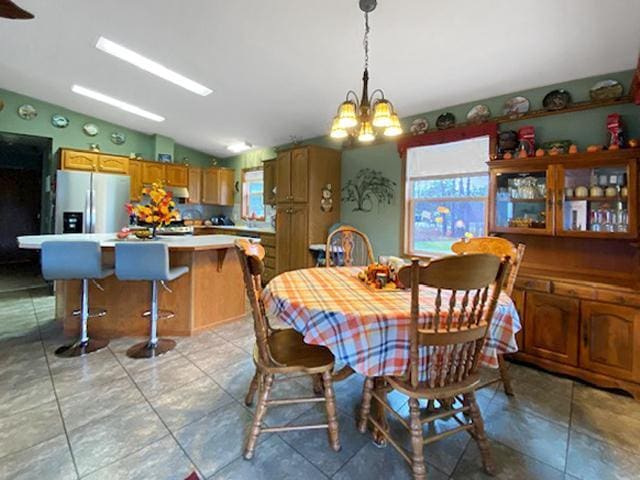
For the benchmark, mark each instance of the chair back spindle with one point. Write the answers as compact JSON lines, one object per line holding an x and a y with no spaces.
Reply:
{"x":449,"y":340}
{"x":349,"y":247}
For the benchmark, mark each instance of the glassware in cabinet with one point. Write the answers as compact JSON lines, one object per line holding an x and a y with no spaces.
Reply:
{"x":522,"y":201}
{"x":597,"y":200}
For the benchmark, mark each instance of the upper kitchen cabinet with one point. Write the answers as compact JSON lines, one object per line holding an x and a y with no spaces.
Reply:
{"x":176,"y":175}
{"x":195,"y":185}
{"x":269,"y":178}
{"x":78,"y":160}
{"x":217,"y":186}
{"x":113,"y":164}
{"x":93,"y":162}
{"x":292,"y":173}
{"x":135,"y":175}
{"x":152,"y":172}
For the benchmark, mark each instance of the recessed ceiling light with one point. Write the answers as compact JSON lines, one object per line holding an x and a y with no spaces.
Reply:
{"x":101,"y":97}
{"x":150,"y":66}
{"x":239,"y":147}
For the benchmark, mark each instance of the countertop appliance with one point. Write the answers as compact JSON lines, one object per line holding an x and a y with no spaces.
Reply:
{"x":221,"y":220}
{"x":88,"y":202}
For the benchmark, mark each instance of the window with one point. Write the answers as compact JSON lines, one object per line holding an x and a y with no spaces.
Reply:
{"x":252,"y":198}
{"x":446,"y":195}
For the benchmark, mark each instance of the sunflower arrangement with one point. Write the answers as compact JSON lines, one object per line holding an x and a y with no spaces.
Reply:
{"x":159,"y":211}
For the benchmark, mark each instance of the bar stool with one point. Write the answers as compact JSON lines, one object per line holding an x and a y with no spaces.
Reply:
{"x":148,"y":261}
{"x":73,"y":260}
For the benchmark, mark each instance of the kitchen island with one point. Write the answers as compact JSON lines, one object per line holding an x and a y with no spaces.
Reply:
{"x":211,"y":293}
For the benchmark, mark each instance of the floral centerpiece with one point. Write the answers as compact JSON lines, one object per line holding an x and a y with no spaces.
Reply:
{"x":159,"y":211}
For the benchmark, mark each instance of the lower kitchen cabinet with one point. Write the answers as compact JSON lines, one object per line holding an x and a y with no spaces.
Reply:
{"x":610,"y":340}
{"x":551,"y":326}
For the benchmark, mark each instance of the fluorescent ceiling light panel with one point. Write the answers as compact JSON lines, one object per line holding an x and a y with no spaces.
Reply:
{"x":114,"y":102}
{"x":150,"y":66}
{"x":239,"y":147}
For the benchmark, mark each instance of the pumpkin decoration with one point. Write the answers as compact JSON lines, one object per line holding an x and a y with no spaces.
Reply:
{"x":594,"y":148}
{"x":507,"y":156}
{"x":633,"y":142}
{"x":540,"y":152}
{"x":573,"y":148}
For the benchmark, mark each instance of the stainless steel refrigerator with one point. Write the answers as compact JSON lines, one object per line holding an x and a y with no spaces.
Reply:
{"x":89,"y":202}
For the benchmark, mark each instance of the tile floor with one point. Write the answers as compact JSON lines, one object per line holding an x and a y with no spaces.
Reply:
{"x":106,"y":416}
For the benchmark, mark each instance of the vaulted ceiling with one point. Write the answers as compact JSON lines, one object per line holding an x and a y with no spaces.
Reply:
{"x":280,"y":67}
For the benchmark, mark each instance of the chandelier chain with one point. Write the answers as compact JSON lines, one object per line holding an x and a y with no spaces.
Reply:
{"x":365,"y":42}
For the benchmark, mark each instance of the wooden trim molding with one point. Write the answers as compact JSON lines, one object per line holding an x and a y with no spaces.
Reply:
{"x":447,"y":136}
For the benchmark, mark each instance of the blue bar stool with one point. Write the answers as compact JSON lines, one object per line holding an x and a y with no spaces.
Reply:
{"x":148,"y":261}
{"x":73,"y":260}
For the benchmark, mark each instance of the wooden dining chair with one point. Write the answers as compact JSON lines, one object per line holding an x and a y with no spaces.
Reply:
{"x":501,"y":248}
{"x":348,"y":246}
{"x":446,"y":346}
{"x":281,"y":352}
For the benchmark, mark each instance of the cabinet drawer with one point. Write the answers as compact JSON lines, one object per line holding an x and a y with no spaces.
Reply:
{"x":574,"y":291}
{"x":269,"y":262}
{"x":534,"y":284}
{"x":268,"y":240}
{"x":618,"y":298}
{"x":270,"y":252}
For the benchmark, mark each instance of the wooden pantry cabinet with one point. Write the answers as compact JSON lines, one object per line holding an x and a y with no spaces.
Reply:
{"x":301,"y":176}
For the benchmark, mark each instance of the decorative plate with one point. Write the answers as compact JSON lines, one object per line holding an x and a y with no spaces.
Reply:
{"x":556,"y":100}
{"x":90,"y":129}
{"x":59,"y":121}
{"x":606,"y":89}
{"x":419,"y":126}
{"x":516,"y":106}
{"x":118,"y":138}
{"x":479,"y":114}
{"x":446,"y":120}
{"x":27,"y":112}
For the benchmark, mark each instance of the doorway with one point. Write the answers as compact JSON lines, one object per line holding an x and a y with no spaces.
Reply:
{"x":23,"y":162}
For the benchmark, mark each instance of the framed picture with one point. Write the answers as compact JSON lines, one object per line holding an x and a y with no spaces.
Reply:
{"x":164,"y":157}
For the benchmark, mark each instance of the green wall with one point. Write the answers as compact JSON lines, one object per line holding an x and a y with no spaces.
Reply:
{"x":383,"y":224}
{"x":73,"y":136}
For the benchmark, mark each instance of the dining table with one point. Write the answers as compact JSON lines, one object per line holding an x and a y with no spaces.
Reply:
{"x":367,"y":330}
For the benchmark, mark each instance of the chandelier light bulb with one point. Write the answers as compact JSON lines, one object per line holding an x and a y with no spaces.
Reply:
{"x":366,"y":132}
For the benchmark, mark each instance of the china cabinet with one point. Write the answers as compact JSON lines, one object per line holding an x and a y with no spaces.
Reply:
{"x":578,"y":290}
{"x":591,"y":195}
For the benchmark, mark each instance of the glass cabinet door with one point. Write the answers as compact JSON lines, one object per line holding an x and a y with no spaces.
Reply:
{"x":522,"y":202}
{"x":597,"y":200}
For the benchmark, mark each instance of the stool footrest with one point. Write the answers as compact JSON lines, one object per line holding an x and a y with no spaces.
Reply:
{"x":162,"y":314}
{"x":93,"y":312}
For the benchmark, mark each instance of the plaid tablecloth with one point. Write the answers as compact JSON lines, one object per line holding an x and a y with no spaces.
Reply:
{"x":367,"y":330}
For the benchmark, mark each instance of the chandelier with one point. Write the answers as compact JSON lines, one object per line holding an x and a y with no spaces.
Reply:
{"x":367,"y":116}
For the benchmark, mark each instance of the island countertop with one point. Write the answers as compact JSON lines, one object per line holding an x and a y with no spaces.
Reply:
{"x":212,"y":292}
{"x":108,"y":240}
